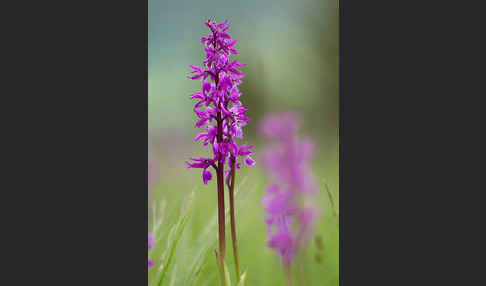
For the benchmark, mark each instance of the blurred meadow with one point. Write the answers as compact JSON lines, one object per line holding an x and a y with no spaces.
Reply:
{"x":291,"y":51}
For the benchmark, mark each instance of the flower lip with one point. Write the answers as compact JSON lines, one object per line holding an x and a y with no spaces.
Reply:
{"x":207,"y":176}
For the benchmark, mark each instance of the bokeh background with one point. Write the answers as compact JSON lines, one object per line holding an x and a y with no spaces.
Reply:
{"x":291,"y":50}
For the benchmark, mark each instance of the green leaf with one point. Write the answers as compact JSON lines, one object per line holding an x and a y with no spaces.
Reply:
{"x":242,"y":278}
{"x":223,"y":271}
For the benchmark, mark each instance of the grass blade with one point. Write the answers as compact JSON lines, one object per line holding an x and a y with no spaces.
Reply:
{"x":242,"y":278}
{"x":175,"y":235}
{"x":223,"y":271}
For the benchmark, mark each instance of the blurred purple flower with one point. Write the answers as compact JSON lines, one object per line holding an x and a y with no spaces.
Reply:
{"x":280,"y":126}
{"x":218,"y":107}
{"x":287,"y":162}
{"x":150,"y":246}
{"x":150,"y":241}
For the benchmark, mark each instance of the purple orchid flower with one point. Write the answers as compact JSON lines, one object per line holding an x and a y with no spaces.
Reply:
{"x":218,"y":107}
{"x":222,"y":115}
{"x":287,"y":162}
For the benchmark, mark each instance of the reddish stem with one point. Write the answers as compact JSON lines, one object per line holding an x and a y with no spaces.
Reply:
{"x":220,"y":182}
{"x":220,"y":176}
{"x":232,"y":218}
{"x":288,"y":277}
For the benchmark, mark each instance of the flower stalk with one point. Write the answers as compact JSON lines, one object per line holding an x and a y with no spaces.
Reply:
{"x":220,"y":182}
{"x":221,"y":112}
{"x":232,"y":219}
{"x":288,"y":276}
